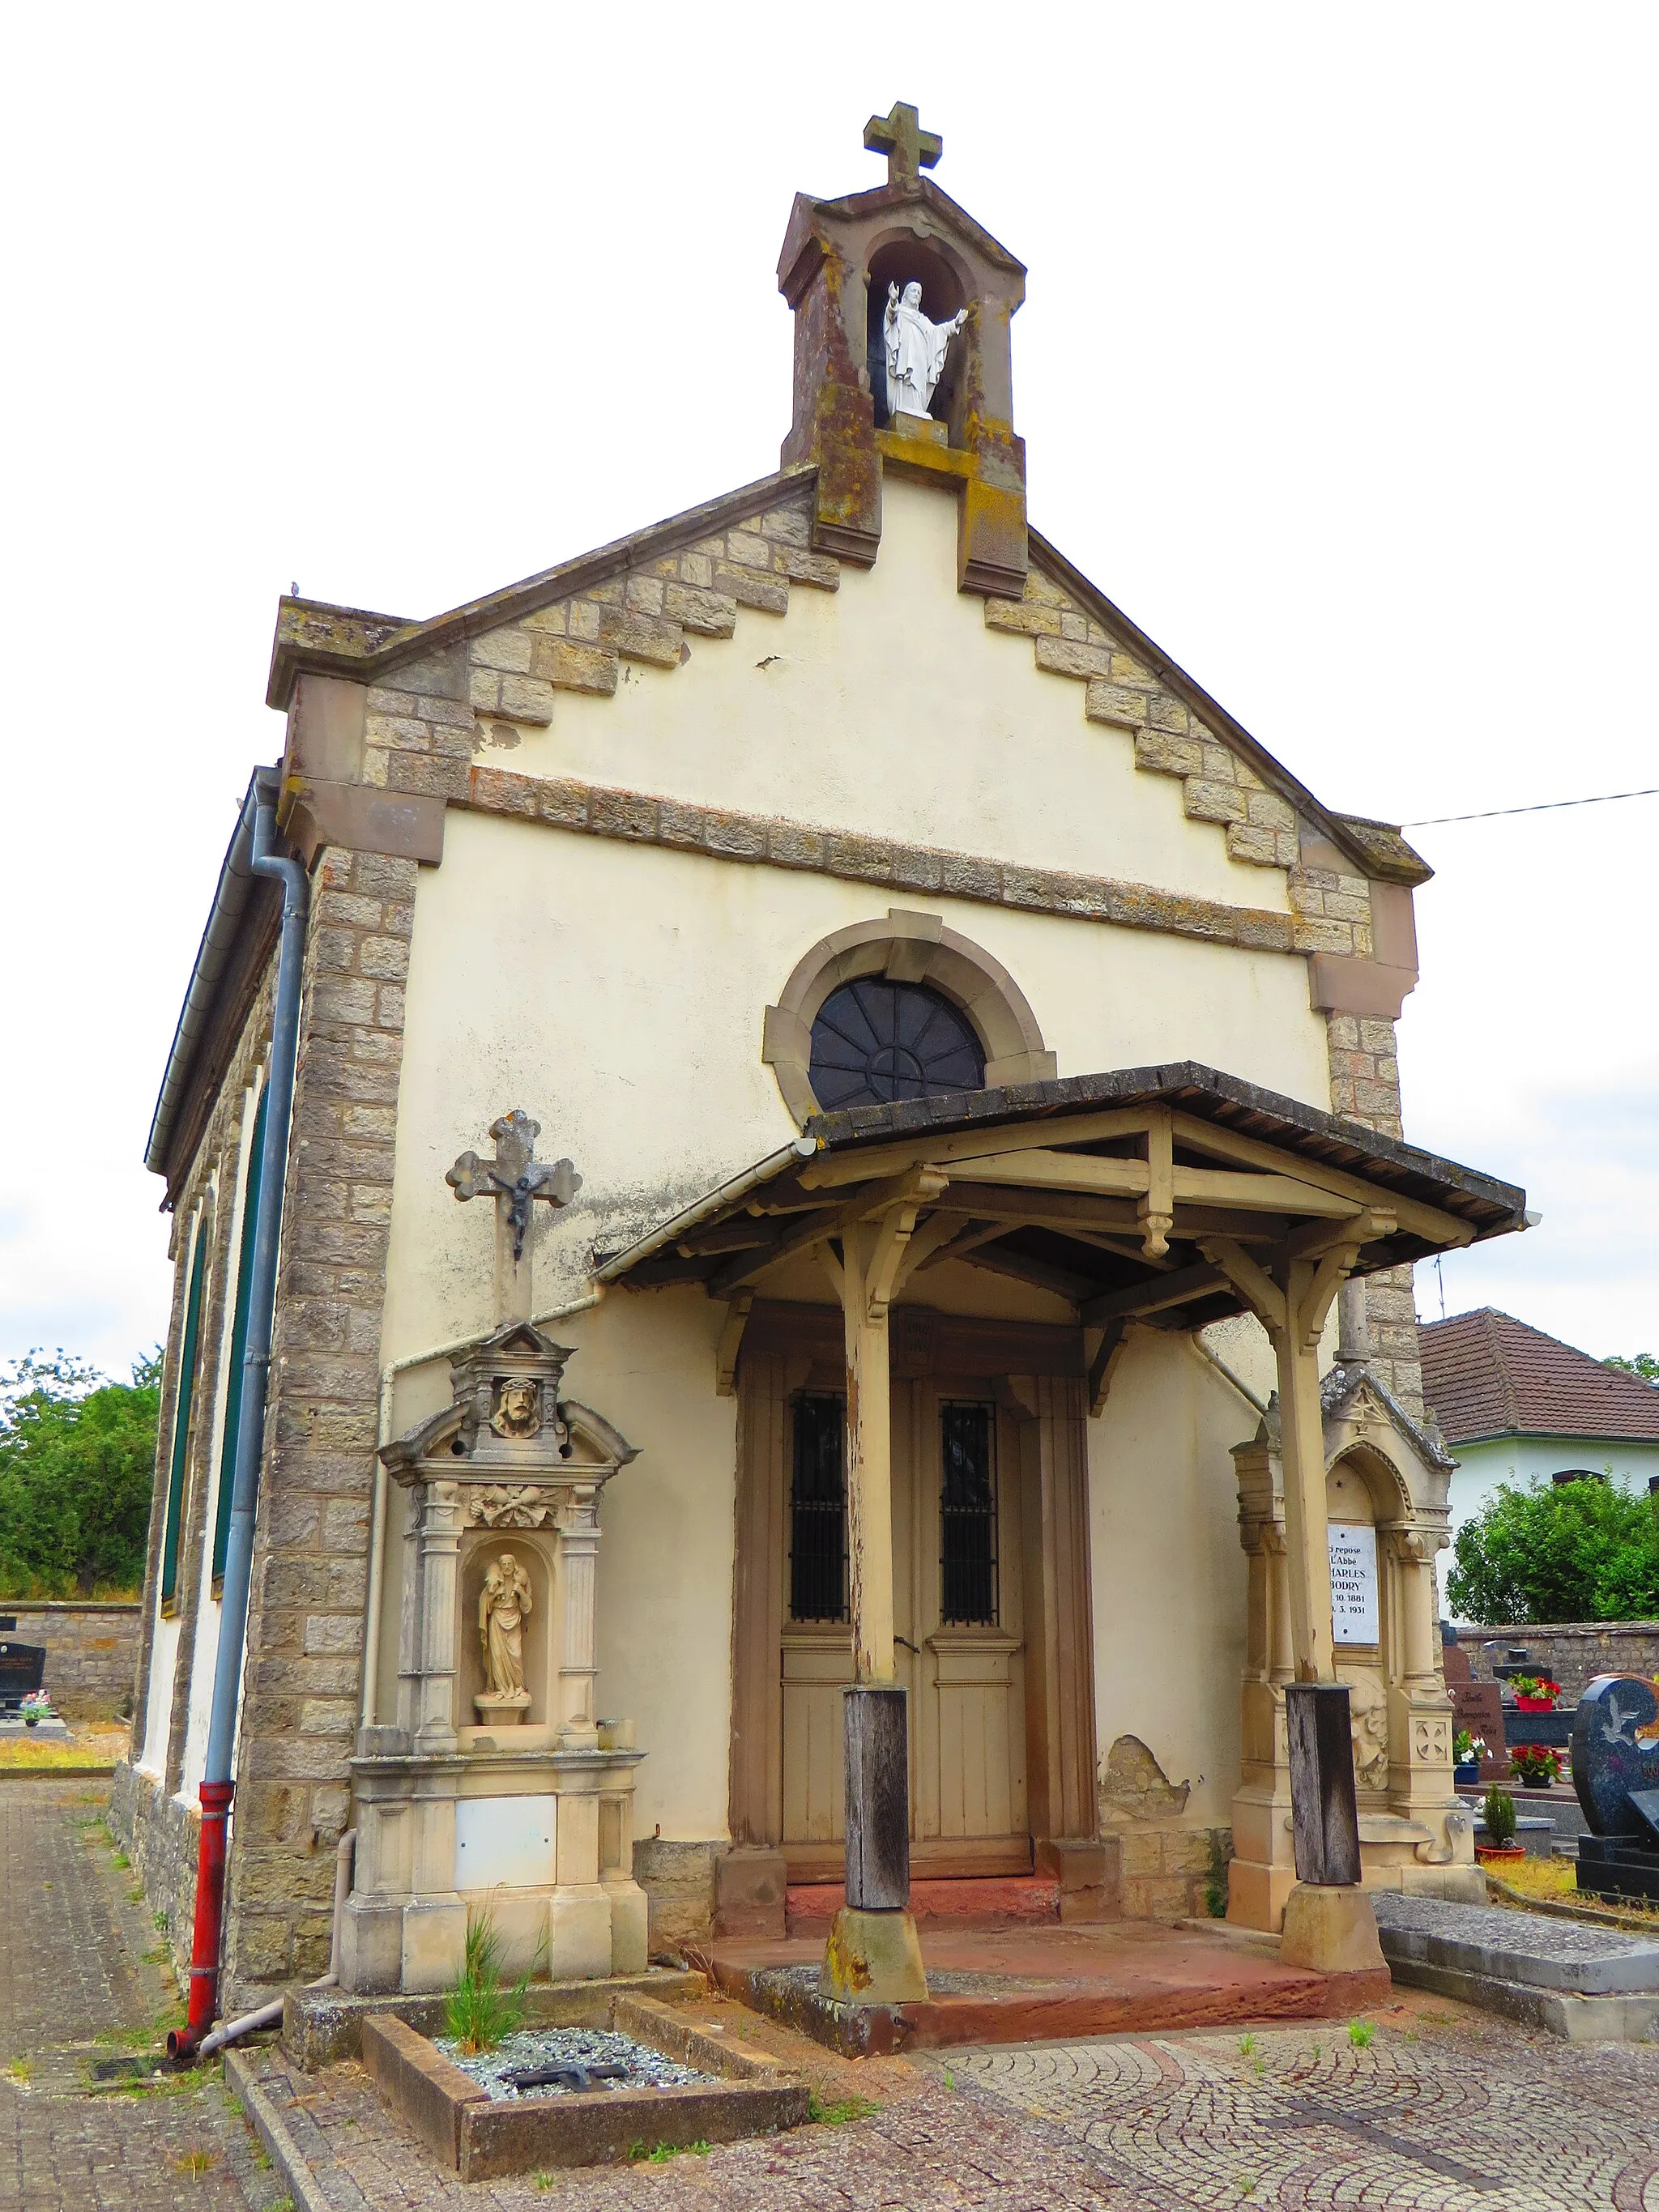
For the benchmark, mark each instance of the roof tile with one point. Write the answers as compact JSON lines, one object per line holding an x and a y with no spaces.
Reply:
{"x":1486,"y":1374}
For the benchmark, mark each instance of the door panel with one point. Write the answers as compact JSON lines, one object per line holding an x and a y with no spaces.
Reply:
{"x":968,"y":1791}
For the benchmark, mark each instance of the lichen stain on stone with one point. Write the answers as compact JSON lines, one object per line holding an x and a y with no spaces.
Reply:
{"x":846,"y":1969}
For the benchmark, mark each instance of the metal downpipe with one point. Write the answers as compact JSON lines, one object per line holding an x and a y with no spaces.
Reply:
{"x":217,"y":1783}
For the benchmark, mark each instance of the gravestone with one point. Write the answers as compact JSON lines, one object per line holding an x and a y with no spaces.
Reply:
{"x":1615,"y":1772}
{"x":1476,"y":1706}
{"x":22,"y":1668}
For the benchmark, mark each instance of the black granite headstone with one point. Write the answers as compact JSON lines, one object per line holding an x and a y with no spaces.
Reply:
{"x":22,"y":1668}
{"x":1615,"y":1749}
{"x":1615,"y":1770}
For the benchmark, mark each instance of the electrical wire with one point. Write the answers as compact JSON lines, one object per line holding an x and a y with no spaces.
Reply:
{"x":1544,"y":806}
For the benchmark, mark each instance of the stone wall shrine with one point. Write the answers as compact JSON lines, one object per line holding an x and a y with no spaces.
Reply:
{"x":942,"y":1403}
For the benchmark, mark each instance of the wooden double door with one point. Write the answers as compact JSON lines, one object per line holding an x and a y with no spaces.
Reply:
{"x":990,"y":1606}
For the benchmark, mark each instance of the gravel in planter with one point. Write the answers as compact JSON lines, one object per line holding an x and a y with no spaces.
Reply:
{"x":527,"y":2047}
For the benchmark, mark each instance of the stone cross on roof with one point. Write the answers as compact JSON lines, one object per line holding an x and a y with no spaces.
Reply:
{"x":908,"y":146}
{"x":515,"y":1179}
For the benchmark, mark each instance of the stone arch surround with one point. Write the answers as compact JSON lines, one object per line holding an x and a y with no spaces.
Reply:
{"x":910,"y":948}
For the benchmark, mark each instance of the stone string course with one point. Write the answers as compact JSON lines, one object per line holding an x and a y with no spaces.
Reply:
{"x":638,"y":819}
{"x":424,"y":726}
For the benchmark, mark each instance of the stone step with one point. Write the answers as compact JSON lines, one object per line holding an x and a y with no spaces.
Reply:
{"x":1582,"y":1983}
{"x":977,"y":1901}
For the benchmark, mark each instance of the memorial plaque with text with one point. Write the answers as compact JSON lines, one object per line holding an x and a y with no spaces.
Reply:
{"x":1353,"y":1583}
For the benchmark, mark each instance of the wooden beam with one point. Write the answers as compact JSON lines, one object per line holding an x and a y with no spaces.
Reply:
{"x":731,"y":1342}
{"x":1108,"y":1354}
{"x":1251,"y":1281}
{"x":926,"y":1239}
{"x":1155,"y":1297}
{"x":1257,"y":1193}
{"x":1431,"y":1222}
{"x":1156,"y":1206}
{"x":1315,"y":1238}
{"x":976,"y":1233}
{"x":1038,"y":1272}
{"x":749,"y":1267}
{"x":744,"y":1236}
{"x":829,"y":1170}
{"x":1120,"y":1247}
{"x":1044,"y":1170}
{"x":1040,"y":1209}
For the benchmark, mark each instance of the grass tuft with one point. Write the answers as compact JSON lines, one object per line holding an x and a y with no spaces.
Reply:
{"x":839,"y":2111}
{"x":195,"y":2161}
{"x":479,"y":2012}
{"x":1361,"y":2033}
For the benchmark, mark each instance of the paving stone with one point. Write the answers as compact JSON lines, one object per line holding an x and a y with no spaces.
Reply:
{"x":78,"y":1994}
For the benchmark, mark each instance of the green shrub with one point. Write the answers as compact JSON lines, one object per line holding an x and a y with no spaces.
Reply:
{"x":1498,"y":1813}
{"x":77,"y":1464}
{"x":1576,"y":1551}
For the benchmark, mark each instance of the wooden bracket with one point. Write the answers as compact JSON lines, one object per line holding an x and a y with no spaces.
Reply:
{"x":731,"y":1343}
{"x":1251,"y":1280}
{"x":1156,"y":1207}
{"x":1103,"y":1366}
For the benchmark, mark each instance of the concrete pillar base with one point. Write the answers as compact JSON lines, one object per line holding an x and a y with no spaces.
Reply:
{"x":872,"y":1959}
{"x":1331,"y":1930}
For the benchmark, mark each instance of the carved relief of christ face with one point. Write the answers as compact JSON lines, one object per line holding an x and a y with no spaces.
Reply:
{"x":520,"y":1413}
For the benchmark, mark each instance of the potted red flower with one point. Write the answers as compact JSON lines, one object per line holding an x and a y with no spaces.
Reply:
{"x":1536,"y":1766}
{"x":1534,"y":1693}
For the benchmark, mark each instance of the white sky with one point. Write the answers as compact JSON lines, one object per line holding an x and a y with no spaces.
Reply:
{"x":1336,"y":372}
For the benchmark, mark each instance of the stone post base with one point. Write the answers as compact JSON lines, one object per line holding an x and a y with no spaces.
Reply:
{"x":1331,"y":1929}
{"x":873,"y":1959}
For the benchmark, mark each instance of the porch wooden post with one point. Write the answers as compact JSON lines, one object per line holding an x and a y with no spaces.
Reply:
{"x":873,"y":1955}
{"x":1301,"y":1452}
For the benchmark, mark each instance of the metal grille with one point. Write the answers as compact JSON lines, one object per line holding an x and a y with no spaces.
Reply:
{"x":874,"y":1042}
{"x":967,"y":1515}
{"x":817,"y":1512}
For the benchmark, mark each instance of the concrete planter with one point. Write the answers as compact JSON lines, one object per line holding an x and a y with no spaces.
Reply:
{"x":479,"y":2139}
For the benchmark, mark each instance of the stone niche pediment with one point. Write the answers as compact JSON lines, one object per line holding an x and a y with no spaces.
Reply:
{"x":508,"y":1427}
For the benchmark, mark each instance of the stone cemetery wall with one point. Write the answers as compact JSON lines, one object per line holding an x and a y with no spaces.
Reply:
{"x":1570,"y":1653}
{"x":92,"y":1652}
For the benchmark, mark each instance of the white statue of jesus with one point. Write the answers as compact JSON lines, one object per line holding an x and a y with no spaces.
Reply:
{"x":916,"y":351}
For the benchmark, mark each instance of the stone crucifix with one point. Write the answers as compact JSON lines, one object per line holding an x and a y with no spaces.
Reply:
{"x":908,"y":147}
{"x":515,"y":1179}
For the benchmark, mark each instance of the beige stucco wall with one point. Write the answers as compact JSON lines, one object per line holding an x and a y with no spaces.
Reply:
{"x":617,"y":994}
{"x":888,"y":707}
{"x":1169,"y":1584}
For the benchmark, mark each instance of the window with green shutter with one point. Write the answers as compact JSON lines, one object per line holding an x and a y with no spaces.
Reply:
{"x":186,"y":1396}
{"x":238,"y":1345}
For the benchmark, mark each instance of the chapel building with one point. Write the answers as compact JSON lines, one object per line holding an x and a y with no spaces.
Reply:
{"x":927,"y":1075}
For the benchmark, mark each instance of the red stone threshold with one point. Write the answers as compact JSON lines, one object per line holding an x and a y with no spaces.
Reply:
{"x":980,"y":1901}
{"x":1035,"y":1985}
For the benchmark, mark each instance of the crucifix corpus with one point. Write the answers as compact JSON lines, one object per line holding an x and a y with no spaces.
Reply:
{"x":516,"y":1180}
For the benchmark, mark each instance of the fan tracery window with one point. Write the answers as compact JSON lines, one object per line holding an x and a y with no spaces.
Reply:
{"x":874,"y":1042}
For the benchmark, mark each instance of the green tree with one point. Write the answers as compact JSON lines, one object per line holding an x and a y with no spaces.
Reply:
{"x":1643,"y":1364}
{"x":1572,"y":1551}
{"x":77,"y":1458}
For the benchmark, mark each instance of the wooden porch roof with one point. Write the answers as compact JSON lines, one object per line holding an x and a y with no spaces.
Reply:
{"x":1111,"y":1190}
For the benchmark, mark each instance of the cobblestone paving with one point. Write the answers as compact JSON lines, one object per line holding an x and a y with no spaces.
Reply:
{"x":1439,"y":2112}
{"x":1444,"y":2110}
{"x":77,"y":1993}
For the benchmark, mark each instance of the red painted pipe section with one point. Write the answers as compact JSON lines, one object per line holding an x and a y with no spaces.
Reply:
{"x":209,"y":1921}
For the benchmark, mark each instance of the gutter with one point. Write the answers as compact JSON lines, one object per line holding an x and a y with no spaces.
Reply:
{"x":231,"y":898}
{"x":217,"y":1785}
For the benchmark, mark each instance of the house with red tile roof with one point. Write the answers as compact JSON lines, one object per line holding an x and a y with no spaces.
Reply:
{"x":1516,"y":1405}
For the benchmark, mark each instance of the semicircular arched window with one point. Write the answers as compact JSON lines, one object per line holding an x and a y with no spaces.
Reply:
{"x":874,"y":1043}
